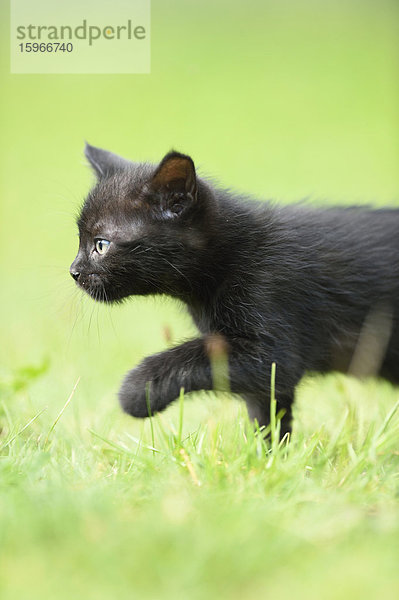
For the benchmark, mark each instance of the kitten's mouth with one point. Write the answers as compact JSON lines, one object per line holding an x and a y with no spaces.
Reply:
{"x":94,"y":286}
{"x":97,"y":289}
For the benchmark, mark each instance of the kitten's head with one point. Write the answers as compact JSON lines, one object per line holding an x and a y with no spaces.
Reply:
{"x":143,"y":228}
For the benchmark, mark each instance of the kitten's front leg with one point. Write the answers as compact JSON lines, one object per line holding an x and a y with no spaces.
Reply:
{"x":164,"y":374}
{"x":238,"y":365}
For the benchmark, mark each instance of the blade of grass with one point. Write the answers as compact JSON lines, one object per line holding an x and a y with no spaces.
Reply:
{"x":141,"y":444}
{"x":113,"y":445}
{"x":8,"y":442}
{"x":273,"y":407}
{"x":189,"y":466}
{"x":147,"y":399}
{"x":387,"y":420}
{"x":181,"y":413}
{"x":61,"y":412}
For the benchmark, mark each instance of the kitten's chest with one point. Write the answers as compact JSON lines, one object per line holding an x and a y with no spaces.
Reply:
{"x":202,"y":317}
{"x":228,"y":318}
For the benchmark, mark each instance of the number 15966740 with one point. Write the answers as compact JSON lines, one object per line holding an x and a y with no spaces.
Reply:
{"x":46,"y":47}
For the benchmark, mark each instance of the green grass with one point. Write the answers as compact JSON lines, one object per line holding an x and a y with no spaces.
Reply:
{"x":281,"y":99}
{"x":97,"y":508}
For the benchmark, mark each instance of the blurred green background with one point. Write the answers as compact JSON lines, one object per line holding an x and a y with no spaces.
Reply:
{"x":281,"y":99}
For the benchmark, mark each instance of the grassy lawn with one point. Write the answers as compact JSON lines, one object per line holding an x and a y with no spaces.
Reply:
{"x":196,"y":505}
{"x":283,"y":100}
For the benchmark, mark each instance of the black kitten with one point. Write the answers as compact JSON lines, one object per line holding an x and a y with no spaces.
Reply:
{"x":306,"y":288}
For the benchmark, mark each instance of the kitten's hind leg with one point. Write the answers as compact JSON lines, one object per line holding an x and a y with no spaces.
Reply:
{"x":259,"y":411}
{"x":390,"y":366}
{"x":286,"y":421}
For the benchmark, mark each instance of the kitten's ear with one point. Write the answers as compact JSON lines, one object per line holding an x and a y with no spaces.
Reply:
{"x":176,"y":174}
{"x":104,"y":163}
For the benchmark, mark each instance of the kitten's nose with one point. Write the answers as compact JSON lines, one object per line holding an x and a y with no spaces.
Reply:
{"x":75,"y":274}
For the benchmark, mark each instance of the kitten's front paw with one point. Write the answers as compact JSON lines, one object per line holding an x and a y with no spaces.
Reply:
{"x":132,"y":394}
{"x":158,"y":374}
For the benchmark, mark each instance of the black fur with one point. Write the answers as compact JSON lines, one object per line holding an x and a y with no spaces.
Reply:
{"x":294,"y":285}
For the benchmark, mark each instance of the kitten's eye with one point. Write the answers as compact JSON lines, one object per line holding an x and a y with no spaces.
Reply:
{"x":102,"y":246}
